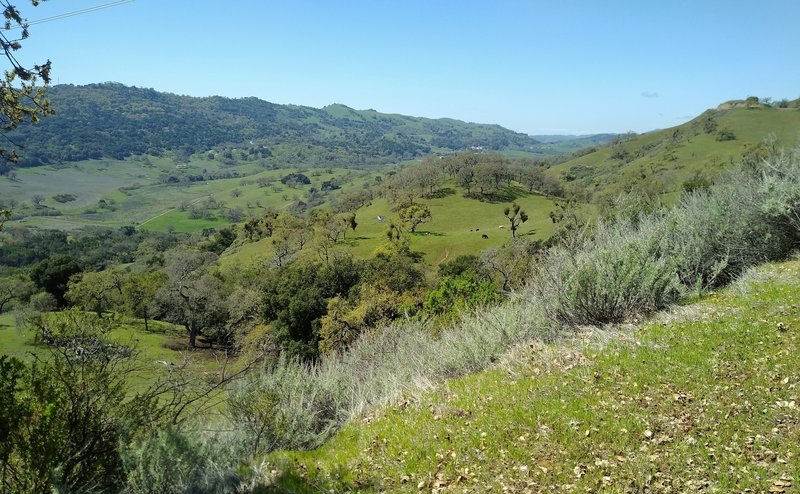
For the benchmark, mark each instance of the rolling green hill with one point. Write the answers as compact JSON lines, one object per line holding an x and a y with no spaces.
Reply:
{"x":457,"y":227}
{"x":663,"y":161}
{"x":116,"y":121}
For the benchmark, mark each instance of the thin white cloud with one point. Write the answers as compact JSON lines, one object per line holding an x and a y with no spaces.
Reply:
{"x":649,"y":94}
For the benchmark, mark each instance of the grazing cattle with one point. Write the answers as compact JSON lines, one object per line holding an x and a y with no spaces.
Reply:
{"x":501,"y":226}
{"x":484,"y":236}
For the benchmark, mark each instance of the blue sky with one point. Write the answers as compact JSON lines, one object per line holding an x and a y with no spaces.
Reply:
{"x":538,"y":67}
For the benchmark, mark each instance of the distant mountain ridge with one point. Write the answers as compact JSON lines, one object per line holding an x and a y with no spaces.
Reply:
{"x":557,"y":145}
{"x":116,"y":121}
{"x":589,"y":138}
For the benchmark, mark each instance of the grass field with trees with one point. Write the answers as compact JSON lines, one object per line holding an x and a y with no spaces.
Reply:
{"x":218,"y":295}
{"x":315,"y":336}
{"x":176,"y":318}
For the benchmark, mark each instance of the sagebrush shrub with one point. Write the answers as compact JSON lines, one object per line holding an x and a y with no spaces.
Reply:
{"x":615,"y":272}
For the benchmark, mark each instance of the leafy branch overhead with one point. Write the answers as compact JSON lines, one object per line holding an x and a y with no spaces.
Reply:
{"x":20,"y":99}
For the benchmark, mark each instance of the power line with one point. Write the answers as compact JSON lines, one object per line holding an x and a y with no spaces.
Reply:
{"x":75,"y":13}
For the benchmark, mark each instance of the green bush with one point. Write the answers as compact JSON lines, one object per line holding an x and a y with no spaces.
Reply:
{"x":715,"y":235}
{"x":725,"y":135}
{"x":176,"y":462}
{"x":63,"y":198}
{"x":781,"y":187}
{"x":631,"y":266}
{"x":456,"y":294}
{"x":613,"y":274}
{"x":64,"y":421}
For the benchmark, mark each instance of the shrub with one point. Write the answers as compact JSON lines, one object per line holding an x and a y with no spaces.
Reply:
{"x":715,"y":235}
{"x":614,"y":273}
{"x":709,"y":125}
{"x":726,"y":135}
{"x":456,"y":294}
{"x":781,"y":187}
{"x":708,"y":239}
{"x":618,"y":152}
{"x":460,"y":265}
{"x":346,"y":318}
{"x":176,"y":462}
{"x":696,"y":182}
{"x":62,"y":198}
{"x":66,"y":418}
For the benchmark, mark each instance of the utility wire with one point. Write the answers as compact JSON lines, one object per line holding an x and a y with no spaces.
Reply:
{"x":74,"y":13}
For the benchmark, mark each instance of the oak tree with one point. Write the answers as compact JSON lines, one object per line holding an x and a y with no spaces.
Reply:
{"x":516,"y":216}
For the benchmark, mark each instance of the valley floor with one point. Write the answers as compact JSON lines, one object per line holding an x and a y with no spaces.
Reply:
{"x":702,"y":399}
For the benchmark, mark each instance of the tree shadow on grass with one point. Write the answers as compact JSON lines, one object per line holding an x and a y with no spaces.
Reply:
{"x":439,"y":194}
{"x":507,"y":193}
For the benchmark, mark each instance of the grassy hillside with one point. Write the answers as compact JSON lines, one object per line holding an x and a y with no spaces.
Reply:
{"x":138,"y":192}
{"x":704,"y":398}
{"x":456,"y":228}
{"x":134,"y":196}
{"x":663,"y":161}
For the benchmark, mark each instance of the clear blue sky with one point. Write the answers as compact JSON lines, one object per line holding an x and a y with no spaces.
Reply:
{"x":533,"y":66}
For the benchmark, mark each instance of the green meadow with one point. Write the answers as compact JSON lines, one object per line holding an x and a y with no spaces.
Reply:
{"x":457,"y":227}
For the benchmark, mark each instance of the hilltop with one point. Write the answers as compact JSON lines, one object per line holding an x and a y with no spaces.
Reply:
{"x":115,"y":121}
{"x":685,"y":156}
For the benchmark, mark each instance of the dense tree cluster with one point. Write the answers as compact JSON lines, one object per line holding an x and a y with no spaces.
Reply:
{"x":480,"y":175}
{"x":115,"y":121}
